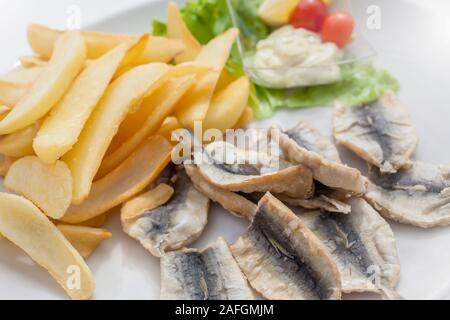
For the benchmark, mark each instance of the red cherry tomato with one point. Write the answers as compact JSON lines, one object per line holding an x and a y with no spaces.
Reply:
{"x":338,"y":28}
{"x":309,"y":14}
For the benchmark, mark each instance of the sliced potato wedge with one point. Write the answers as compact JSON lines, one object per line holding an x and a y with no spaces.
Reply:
{"x":225,"y":79}
{"x":245,"y":118}
{"x":137,"y":117}
{"x":127,"y":180}
{"x":149,"y":200}
{"x":84,"y":239}
{"x":5,"y":163}
{"x":60,"y":131}
{"x":228,"y":105}
{"x":67,"y":61}
{"x":177,"y":29}
{"x":159,"y":49}
{"x":11,"y":93}
{"x":96,"y":222}
{"x":48,"y":186}
{"x":85,"y":157}
{"x":135,"y":50}
{"x":4,"y":111}
{"x":20,"y":143}
{"x":194,"y":106}
{"x":169,"y":125}
{"x":32,"y":61}
{"x":158,"y":107}
{"x":25,"y":225}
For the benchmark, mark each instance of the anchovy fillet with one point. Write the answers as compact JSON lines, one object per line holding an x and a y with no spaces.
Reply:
{"x":283,"y":259}
{"x":305,"y":145}
{"x":211,"y":274}
{"x":381,"y":132}
{"x":176,"y":224}
{"x":419,"y":196}
{"x":362,"y":245}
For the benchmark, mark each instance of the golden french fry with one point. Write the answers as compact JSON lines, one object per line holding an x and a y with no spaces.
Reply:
{"x":68,"y":59}
{"x":22,"y":76}
{"x":215,"y":54}
{"x":127,"y":180}
{"x":85,"y":157}
{"x":25,"y":225}
{"x":149,"y":200}
{"x":225,"y":79}
{"x":134,"y":52}
{"x":169,"y":125}
{"x":245,"y":119}
{"x":228,"y":105}
{"x":177,"y":29}
{"x":32,"y":61}
{"x":155,"y":109}
{"x":61,"y":129}
{"x":5,"y":163}
{"x":19,"y":144}
{"x":194,"y":106}
{"x":48,"y":186}
{"x":84,"y":239}
{"x":159,"y":49}
{"x":11,"y":93}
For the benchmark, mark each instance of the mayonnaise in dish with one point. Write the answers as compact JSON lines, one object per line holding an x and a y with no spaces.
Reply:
{"x":292,"y":57}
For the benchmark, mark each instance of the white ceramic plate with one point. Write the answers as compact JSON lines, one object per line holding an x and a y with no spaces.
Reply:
{"x":413,"y":44}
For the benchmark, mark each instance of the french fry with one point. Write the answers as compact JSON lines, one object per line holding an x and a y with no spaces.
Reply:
{"x":169,"y":125}
{"x":5,"y":163}
{"x":177,"y":29}
{"x":127,"y":180}
{"x":22,"y":76}
{"x":20,"y":143}
{"x":96,"y":222}
{"x":4,"y":111}
{"x":147,"y":201}
{"x":48,"y":186}
{"x":25,"y":225}
{"x":228,"y":105}
{"x":159,"y":49}
{"x":245,"y":119}
{"x":155,"y":109}
{"x":85,"y":157}
{"x":84,"y":239}
{"x":134,"y":52}
{"x":194,"y":106}
{"x":11,"y":93}
{"x":137,"y":117}
{"x":68,"y":59}
{"x":225,"y":79}
{"x":32,"y":61}
{"x":61,"y":129}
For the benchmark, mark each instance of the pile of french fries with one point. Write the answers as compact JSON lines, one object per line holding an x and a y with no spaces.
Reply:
{"x":85,"y":125}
